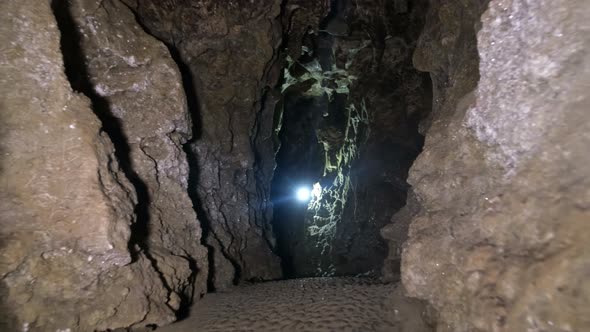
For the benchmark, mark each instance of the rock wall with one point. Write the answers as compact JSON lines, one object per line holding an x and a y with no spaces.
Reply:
{"x":142,"y":102}
{"x":500,"y":240}
{"x":229,"y":50}
{"x":94,"y":236}
{"x":447,"y":50}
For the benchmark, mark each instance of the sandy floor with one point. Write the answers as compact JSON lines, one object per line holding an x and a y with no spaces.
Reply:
{"x":318,"y":304}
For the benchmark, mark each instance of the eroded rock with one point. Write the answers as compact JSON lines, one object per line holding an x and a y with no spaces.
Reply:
{"x":229,"y":50}
{"x":142,"y":100}
{"x":66,"y":207}
{"x":500,"y":244}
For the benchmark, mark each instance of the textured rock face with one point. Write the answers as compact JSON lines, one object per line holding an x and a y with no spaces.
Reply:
{"x":73,"y":253}
{"x":500,"y":243}
{"x":314,"y":305}
{"x":228,"y":49}
{"x":66,"y":207}
{"x":140,"y":87}
{"x":447,"y":50}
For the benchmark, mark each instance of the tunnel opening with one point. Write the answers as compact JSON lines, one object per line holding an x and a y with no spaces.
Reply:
{"x":348,"y":132}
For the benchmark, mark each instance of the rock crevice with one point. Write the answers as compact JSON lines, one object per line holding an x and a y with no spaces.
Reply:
{"x":221,"y":46}
{"x":352,"y":105}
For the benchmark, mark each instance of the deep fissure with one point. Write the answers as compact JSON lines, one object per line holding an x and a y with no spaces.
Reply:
{"x":76,"y":72}
{"x":190,"y":90}
{"x":318,"y":123}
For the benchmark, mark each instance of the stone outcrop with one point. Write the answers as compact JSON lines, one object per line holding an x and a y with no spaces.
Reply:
{"x":66,"y":206}
{"x":447,"y":50}
{"x":500,"y":241}
{"x":142,"y":102}
{"x":74,"y":257}
{"x":228,"y":50}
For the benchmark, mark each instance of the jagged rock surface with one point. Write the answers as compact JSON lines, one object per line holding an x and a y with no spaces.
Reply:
{"x":500,"y":243}
{"x":301,"y":18}
{"x":134,"y":77}
{"x":66,"y":207}
{"x":447,"y":50}
{"x":229,"y":50}
{"x":314,"y":305}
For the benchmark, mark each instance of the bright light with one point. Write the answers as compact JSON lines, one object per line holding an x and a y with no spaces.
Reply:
{"x":303,"y":194}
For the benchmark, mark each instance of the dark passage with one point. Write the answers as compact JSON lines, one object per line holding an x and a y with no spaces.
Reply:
{"x":352,"y":105}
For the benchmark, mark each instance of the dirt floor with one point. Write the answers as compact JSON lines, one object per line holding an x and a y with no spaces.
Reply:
{"x":315,"y":304}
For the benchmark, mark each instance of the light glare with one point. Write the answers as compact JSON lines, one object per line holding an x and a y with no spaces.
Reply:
{"x":303,"y":194}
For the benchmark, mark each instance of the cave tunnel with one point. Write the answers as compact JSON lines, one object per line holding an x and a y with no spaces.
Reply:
{"x":294,"y":165}
{"x":348,"y":136}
